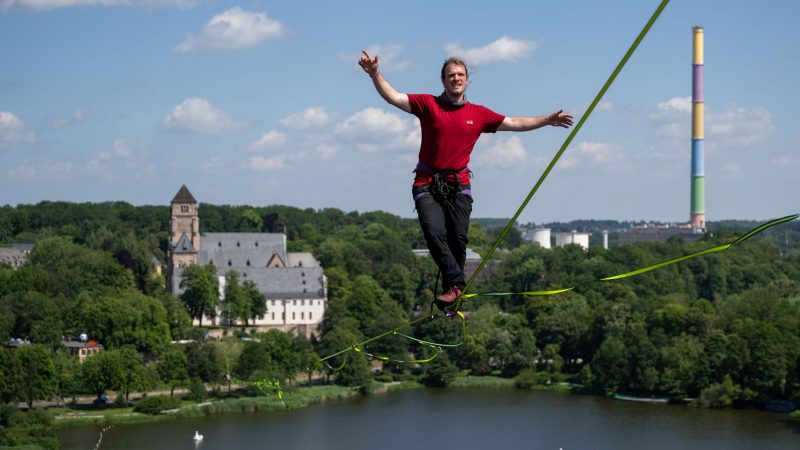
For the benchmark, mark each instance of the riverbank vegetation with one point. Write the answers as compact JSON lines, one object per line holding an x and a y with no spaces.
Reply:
{"x":723,"y":328}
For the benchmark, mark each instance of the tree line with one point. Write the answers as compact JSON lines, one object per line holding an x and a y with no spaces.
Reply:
{"x":721,"y":328}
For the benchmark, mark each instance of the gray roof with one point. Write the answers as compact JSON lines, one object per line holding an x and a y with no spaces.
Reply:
{"x":275,"y":283}
{"x":184,"y":245}
{"x":240,"y":250}
{"x":304,"y":259}
{"x":27,"y":248}
{"x":184,"y":196}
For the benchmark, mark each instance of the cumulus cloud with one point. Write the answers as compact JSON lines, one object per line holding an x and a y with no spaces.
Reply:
{"x":75,"y":119}
{"x":198,"y":115}
{"x":600,"y":154}
{"x":13,"y":130}
{"x":504,"y":153}
{"x":732,"y":170}
{"x":264,"y":164}
{"x":120,"y":151}
{"x":374,"y":129}
{"x":233,"y":29}
{"x":740,"y":127}
{"x":271,"y":139}
{"x":504,"y":49}
{"x":314,"y":117}
{"x":48,"y":5}
{"x":390,"y":56}
{"x":786,"y":160}
{"x":327,"y":151}
{"x":676,"y":104}
{"x":46,"y":170}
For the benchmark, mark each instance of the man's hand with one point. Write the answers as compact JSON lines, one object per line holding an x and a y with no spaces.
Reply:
{"x":369,"y":64}
{"x":559,"y":120}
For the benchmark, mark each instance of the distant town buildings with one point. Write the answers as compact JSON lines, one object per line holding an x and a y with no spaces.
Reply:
{"x":293,"y":283}
{"x":16,"y":255}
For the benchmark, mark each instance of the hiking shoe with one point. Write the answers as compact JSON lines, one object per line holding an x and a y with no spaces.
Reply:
{"x":451,"y":295}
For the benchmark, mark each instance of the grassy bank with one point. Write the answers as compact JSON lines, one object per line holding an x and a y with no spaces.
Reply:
{"x":294,"y":398}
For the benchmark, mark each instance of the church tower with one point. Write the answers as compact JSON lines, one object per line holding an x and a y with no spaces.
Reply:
{"x":184,"y":233}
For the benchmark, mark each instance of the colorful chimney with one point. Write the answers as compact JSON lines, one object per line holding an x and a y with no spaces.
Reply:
{"x":698,"y":213}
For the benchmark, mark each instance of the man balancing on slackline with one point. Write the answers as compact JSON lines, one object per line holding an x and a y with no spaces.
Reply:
{"x":450,"y":128}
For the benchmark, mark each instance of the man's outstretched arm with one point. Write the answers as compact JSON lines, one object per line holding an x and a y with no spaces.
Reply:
{"x":557,"y":119}
{"x":389,"y":93}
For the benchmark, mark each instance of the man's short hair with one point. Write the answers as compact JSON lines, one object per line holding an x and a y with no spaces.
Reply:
{"x":457,"y":61}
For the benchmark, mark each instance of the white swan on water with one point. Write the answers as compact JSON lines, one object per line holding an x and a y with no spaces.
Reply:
{"x":197,"y":436}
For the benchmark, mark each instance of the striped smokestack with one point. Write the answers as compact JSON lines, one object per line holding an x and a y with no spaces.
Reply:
{"x":698,"y":212}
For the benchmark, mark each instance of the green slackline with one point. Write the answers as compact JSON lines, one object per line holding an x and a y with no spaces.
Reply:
{"x":707,"y":251}
{"x":564,"y":146}
{"x":511,"y":222}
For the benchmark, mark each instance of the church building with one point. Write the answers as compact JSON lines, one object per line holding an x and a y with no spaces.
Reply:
{"x":293,"y":283}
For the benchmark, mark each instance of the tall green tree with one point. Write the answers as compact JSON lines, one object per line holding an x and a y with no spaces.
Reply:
{"x":255,"y":302}
{"x":234,"y":304}
{"x":172,"y":368}
{"x":36,"y":376}
{"x":200,"y":291}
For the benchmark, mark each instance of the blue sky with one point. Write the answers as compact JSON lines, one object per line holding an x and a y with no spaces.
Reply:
{"x":261,"y":102}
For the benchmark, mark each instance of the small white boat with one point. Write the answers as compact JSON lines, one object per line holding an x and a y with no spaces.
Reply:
{"x":197,"y":436}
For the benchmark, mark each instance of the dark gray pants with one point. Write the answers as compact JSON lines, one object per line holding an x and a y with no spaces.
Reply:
{"x":445,"y":229}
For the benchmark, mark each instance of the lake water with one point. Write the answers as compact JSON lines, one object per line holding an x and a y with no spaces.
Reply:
{"x":463,"y":420}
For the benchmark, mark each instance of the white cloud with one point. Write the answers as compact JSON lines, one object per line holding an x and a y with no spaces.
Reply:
{"x":504,"y":153}
{"x":119,"y":152}
{"x":262,"y":164}
{"x":314,"y":117}
{"x":46,"y":171}
{"x":12,"y":130}
{"x":374,"y":129}
{"x":732,"y":170}
{"x":327,"y":151}
{"x":198,"y":115}
{"x":676,"y":104}
{"x":602,"y":153}
{"x":75,"y":119}
{"x":390,"y":56}
{"x":233,"y":29}
{"x":502,"y":50}
{"x":739,"y":127}
{"x":271,"y":139}
{"x":786,"y":160}
{"x":48,"y":5}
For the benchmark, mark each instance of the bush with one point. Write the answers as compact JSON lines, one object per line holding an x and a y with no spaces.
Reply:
{"x":720,"y":395}
{"x":530,"y":378}
{"x":155,"y":405}
{"x":384,"y":378}
{"x":120,"y":402}
{"x":197,"y":390}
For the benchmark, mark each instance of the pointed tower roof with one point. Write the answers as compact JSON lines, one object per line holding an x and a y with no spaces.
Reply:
{"x":184,"y":196}
{"x":184,"y":245}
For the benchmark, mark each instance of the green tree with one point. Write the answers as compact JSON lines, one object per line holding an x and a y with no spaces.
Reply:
{"x":201,"y":291}
{"x":255,"y":302}
{"x":440,"y":372}
{"x":134,"y":374}
{"x":128,"y":318}
{"x":36,"y":376}
{"x":172,"y":367}
{"x":103,"y":371}
{"x":234,"y":304}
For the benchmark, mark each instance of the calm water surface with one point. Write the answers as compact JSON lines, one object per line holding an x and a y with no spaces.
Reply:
{"x":464,"y":420}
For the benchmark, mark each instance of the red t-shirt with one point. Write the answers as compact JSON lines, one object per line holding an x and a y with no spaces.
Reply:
{"x":449,"y":134}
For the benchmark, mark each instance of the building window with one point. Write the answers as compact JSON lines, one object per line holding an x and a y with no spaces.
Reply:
{"x":302,"y":316}
{"x":248,"y":262}
{"x":184,"y":208}
{"x":283,"y":316}
{"x":219,"y":244}
{"x":293,"y":316}
{"x":229,"y":263}
{"x":273,"y":316}
{"x":237,"y":244}
{"x":256,"y":243}
{"x":309,"y":316}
